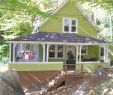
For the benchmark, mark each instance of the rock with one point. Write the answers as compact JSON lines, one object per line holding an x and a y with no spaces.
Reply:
{"x":10,"y":84}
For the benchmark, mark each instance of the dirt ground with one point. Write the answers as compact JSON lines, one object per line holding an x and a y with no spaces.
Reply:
{"x":32,"y":80}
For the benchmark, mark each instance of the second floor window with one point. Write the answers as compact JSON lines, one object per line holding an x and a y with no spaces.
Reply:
{"x":69,"y":25}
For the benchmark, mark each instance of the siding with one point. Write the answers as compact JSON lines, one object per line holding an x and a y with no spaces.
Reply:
{"x":69,"y":10}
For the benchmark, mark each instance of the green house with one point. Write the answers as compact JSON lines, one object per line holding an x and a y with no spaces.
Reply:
{"x":69,"y":37}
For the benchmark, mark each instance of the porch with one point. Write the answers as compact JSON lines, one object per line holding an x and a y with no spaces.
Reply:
{"x":46,"y":47}
{"x":57,"y":53}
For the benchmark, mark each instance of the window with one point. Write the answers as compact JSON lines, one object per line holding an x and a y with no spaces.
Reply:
{"x":56,"y":51}
{"x":102,"y":51}
{"x":60,"y":51}
{"x":27,"y":47}
{"x":52,"y":51}
{"x":84,"y":50}
{"x":69,"y":25}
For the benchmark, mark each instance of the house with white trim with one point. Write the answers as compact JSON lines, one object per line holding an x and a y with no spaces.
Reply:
{"x":69,"y":33}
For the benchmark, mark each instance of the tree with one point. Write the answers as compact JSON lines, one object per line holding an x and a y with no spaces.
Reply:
{"x":16,"y":19}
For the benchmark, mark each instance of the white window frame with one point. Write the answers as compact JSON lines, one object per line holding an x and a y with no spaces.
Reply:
{"x":56,"y":52}
{"x":70,"y":25}
{"x":86,"y":50}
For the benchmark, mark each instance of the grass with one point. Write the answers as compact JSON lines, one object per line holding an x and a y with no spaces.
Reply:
{"x":87,"y":67}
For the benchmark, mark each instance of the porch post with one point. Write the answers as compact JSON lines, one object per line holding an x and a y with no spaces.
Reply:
{"x":77,"y":54}
{"x":13,"y":52}
{"x":10,"y":52}
{"x":106,"y":54}
{"x":43,"y":46}
{"x":47,"y":56}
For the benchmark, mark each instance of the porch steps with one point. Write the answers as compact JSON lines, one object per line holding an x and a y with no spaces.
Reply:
{"x":55,"y":80}
{"x":63,"y":78}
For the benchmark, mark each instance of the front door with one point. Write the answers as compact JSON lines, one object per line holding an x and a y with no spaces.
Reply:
{"x":70,"y":57}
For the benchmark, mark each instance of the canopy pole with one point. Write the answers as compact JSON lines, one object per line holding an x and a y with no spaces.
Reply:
{"x":13,"y":52}
{"x":77,"y":54}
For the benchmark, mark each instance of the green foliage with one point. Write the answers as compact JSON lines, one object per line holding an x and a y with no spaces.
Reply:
{"x":16,"y":19}
{"x":25,"y":6}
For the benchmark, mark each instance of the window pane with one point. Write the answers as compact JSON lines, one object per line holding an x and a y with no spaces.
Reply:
{"x":66,"y":28}
{"x":102,"y":51}
{"x":84,"y":50}
{"x":60,"y":48}
{"x":66,"y":22}
{"x":73,"y":29}
{"x":60,"y":54}
{"x":51,"y":54}
{"x":60,"y":51}
{"x":52,"y":51}
{"x":73,"y":22}
{"x":52,"y":48}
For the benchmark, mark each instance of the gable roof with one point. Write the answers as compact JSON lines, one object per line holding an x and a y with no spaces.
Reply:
{"x":55,"y":11}
{"x":69,"y":10}
{"x":57,"y":37}
{"x":88,"y":17}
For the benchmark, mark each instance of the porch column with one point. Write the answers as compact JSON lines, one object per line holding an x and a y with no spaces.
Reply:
{"x":43,"y":46}
{"x":77,"y":54}
{"x":47,"y":54}
{"x":10,"y":52}
{"x":13,"y":52}
{"x":106,"y":53}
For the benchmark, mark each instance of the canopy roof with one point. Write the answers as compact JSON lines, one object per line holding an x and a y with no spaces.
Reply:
{"x":57,"y":37}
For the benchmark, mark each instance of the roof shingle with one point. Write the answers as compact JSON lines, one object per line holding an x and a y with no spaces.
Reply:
{"x":58,"y":37}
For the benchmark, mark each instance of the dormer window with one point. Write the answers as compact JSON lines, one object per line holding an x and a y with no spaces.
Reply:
{"x":70,"y":25}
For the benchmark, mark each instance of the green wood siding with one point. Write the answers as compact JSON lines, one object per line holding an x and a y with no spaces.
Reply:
{"x":93,"y":51}
{"x":35,"y":67}
{"x":111,"y":48}
{"x":56,"y":59}
{"x":69,"y":10}
{"x":88,"y":67}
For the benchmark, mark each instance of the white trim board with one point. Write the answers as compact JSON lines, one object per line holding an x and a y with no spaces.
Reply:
{"x":35,"y":62}
{"x":57,"y":43}
{"x":87,"y":16}
{"x":54,"y":12}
